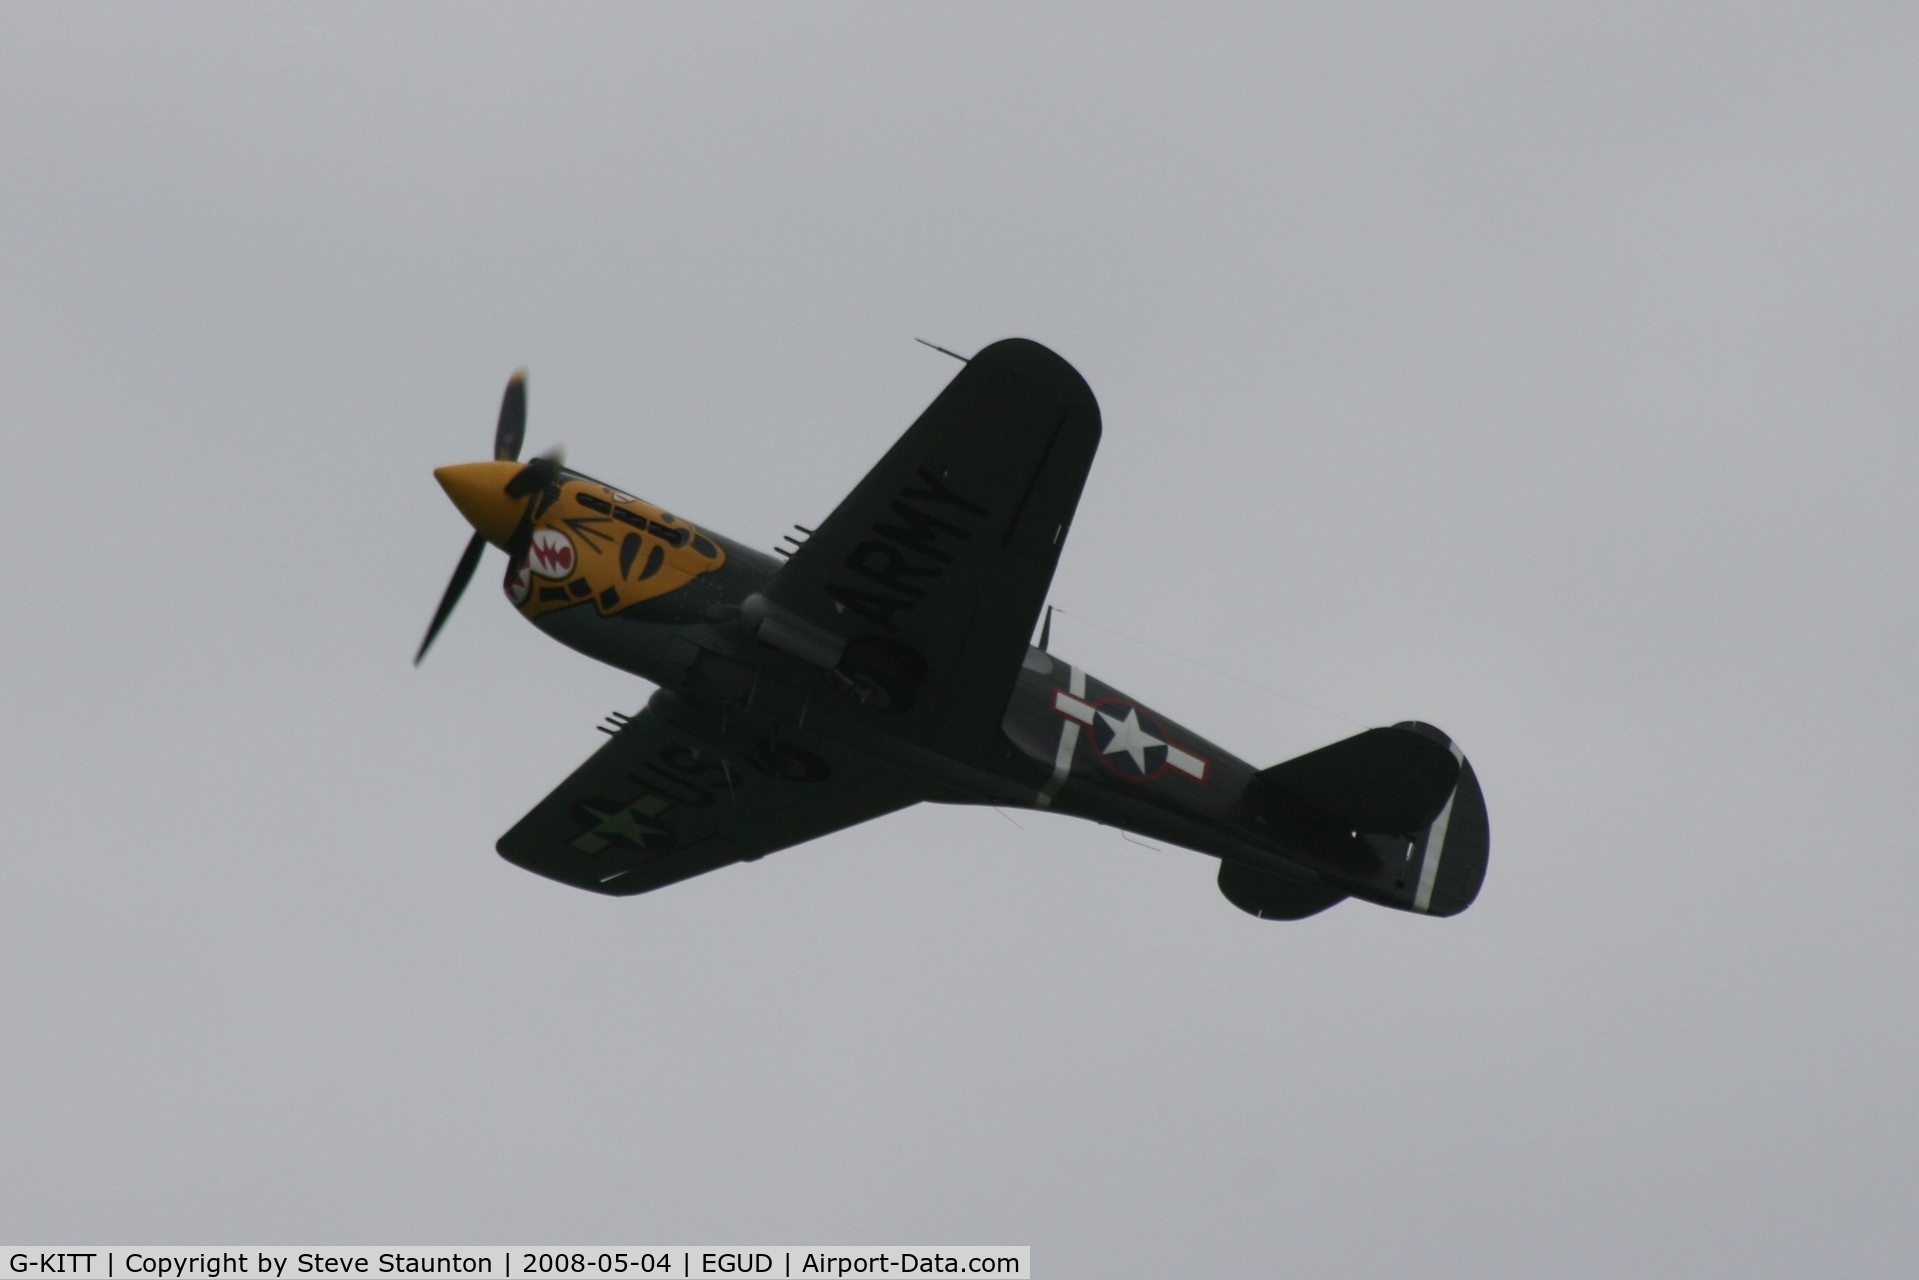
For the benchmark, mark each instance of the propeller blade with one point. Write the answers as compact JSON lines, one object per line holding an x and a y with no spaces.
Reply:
{"x":528,"y":482}
{"x":462,"y":574}
{"x":517,"y":547}
{"x":511,"y":433}
{"x":522,"y":539}
{"x":537,"y":474}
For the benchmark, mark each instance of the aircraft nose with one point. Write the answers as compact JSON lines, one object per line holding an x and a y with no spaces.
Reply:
{"x":478,"y":489}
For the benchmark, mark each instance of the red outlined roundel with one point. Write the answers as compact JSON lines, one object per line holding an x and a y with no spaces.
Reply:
{"x":1129,"y":741}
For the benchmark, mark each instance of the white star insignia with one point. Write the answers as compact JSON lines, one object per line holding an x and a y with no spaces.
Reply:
{"x":1128,"y":737}
{"x":623,"y":823}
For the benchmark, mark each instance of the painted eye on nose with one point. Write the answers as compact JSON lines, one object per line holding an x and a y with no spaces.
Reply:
{"x":550,"y":554}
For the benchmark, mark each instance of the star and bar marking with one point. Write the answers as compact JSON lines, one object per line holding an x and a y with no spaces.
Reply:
{"x":623,"y":823}
{"x":1129,"y":738}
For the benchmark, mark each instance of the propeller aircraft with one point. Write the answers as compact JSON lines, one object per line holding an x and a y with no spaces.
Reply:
{"x":885,"y":662}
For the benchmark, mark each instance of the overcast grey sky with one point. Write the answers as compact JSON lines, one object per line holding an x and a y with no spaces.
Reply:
{"x":1542,"y":371}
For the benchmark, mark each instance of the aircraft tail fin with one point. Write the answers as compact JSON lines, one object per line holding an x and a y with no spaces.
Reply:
{"x":1393,"y":815}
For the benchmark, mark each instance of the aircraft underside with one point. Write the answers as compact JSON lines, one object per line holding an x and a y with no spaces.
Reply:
{"x":887,"y":663}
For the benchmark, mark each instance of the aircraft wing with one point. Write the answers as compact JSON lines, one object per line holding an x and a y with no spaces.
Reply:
{"x":934,"y":569}
{"x":658,"y":804}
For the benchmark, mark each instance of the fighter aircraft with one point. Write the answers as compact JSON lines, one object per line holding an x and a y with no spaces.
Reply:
{"x":884,"y":661}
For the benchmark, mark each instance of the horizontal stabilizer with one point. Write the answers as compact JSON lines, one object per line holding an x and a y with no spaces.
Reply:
{"x":1384,"y":780}
{"x":1394,"y":816}
{"x":1272,"y":896}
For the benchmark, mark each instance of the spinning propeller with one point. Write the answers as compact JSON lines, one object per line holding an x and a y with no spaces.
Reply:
{"x":523,"y":486}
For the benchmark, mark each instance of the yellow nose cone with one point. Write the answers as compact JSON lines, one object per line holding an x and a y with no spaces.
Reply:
{"x":478,"y":489}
